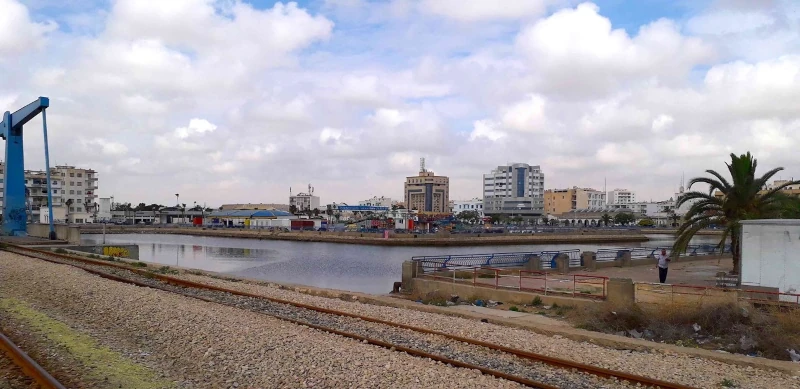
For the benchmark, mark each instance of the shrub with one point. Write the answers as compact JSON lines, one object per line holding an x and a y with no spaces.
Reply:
{"x":513,"y":308}
{"x":138,"y":264}
{"x":537,"y":301}
{"x":61,"y":251}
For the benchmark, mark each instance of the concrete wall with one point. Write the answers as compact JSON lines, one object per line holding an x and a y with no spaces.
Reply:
{"x":770,"y":255}
{"x":130,"y":251}
{"x":422,"y":286}
{"x":63,"y":232}
{"x":649,"y":293}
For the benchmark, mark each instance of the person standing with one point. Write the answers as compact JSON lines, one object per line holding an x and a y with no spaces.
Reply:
{"x":663,"y":265}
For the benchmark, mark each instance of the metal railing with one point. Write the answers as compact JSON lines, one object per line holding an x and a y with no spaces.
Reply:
{"x":576,"y":285}
{"x":468,"y":261}
{"x":611,"y":254}
{"x":498,"y":260}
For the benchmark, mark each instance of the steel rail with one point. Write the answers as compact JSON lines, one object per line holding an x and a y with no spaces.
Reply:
{"x":558,"y":362}
{"x":28,"y":365}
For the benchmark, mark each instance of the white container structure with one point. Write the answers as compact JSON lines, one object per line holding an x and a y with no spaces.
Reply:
{"x":771,"y":256}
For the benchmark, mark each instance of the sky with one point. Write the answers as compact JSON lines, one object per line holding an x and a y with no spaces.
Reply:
{"x":227,"y":101}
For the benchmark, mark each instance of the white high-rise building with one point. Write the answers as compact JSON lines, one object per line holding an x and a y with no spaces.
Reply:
{"x":515,"y":189}
{"x":621,"y":196}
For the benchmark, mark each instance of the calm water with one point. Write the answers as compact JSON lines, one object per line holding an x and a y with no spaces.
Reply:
{"x":369,"y":269}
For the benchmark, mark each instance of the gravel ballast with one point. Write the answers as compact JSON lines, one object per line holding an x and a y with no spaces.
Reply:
{"x":667,"y":366}
{"x":433,"y":344}
{"x":12,"y":377}
{"x":199,"y":344}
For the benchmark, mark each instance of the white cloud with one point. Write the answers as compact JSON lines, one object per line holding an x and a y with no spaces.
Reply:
{"x":106,"y":147}
{"x":527,"y":115}
{"x":472,"y":11}
{"x":578,"y":52}
{"x":195,"y":127}
{"x":662,"y":123}
{"x":486,"y":129}
{"x":18,"y":33}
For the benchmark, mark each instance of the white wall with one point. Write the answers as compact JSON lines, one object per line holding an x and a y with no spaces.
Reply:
{"x":770,"y":255}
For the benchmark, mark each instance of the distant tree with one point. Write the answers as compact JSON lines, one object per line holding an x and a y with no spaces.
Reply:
{"x":292,"y":209}
{"x":316,"y":211}
{"x":197,"y":208}
{"x":566,"y":222}
{"x":469,"y":217}
{"x":646,"y":223}
{"x":624,"y":218}
{"x":674,"y":218}
{"x":545,"y":220}
{"x":606,"y":218}
{"x":140,"y":207}
{"x":518,"y":219}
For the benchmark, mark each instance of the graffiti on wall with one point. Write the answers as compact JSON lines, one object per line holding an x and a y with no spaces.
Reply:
{"x":120,"y":252}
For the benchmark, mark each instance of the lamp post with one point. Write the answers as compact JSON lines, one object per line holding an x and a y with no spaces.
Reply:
{"x":177,"y":201}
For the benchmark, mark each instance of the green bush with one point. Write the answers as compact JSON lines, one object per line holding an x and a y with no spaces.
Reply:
{"x":513,"y":308}
{"x":537,"y":301}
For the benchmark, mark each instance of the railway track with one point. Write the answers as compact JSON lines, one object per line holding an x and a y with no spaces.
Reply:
{"x":527,"y":368}
{"x":27,"y":365}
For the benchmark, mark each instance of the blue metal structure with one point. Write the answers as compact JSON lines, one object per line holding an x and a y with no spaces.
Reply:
{"x":15,"y":216}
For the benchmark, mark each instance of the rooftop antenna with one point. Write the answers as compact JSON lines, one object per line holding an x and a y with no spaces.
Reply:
{"x":422,"y":165}
{"x":290,"y":191}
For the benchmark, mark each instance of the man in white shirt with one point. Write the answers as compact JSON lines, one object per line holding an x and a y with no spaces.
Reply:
{"x":663,"y":265}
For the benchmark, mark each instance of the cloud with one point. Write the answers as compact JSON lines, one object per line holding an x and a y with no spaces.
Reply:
{"x":578,"y":52}
{"x":473,"y":11}
{"x":18,"y":33}
{"x":208,"y":97}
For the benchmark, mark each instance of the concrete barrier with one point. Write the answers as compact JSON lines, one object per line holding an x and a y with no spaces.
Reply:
{"x":621,"y":291}
{"x":130,"y":251}
{"x":70,"y":234}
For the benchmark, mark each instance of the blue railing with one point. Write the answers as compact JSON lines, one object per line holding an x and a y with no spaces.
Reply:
{"x":468,"y":261}
{"x":611,"y":254}
{"x":548,"y":258}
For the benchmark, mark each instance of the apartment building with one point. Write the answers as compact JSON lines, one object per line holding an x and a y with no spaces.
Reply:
{"x":558,"y":201}
{"x":475,"y":204}
{"x":515,"y":189}
{"x":427,"y":192}
{"x":621,"y":196}
{"x":377,"y":202}
{"x":73,"y":189}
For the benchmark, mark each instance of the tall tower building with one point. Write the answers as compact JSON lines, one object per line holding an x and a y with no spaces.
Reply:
{"x":427,"y":192}
{"x":515,"y":189}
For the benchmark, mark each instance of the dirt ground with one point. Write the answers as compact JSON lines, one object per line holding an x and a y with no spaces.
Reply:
{"x":702,"y":272}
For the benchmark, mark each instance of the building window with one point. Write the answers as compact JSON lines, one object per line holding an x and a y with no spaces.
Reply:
{"x":72,"y":209}
{"x":63,"y":175}
{"x":72,"y":174}
{"x":80,"y":183}
{"x":72,"y":192}
{"x":80,"y":192}
{"x":80,"y":174}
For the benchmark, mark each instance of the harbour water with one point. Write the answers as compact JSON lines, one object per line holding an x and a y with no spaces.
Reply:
{"x":359,"y":268}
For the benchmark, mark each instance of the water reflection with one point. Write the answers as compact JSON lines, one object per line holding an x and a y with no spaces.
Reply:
{"x":370,"y":269}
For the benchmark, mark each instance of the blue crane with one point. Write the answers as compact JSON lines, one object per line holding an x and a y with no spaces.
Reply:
{"x":15,"y":216}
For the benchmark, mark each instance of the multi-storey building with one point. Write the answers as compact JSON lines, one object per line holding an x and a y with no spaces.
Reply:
{"x":304,"y":201}
{"x":516,"y":189}
{"x":377,"y":202}
{"x":475,"y":204}
{"x":621,"y":196}
{"x":427,"y":192}
{"x":73,"y":188}
{"x":558,"y":201}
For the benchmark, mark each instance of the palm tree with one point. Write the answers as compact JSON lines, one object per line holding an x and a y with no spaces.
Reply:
{"x":606,"y":218}
{"x":742,"y":198}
